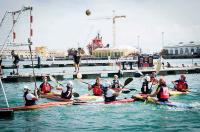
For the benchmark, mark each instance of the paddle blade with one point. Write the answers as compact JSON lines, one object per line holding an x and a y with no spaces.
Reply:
{"x":158,"y":67}
{"x":76,"y":94}
{"x":6,"y":113}
{"x":128,"y":80}
{"x":52,"y":79}
{"x":126,"y":91}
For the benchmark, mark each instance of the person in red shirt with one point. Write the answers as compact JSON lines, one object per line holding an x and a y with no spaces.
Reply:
{"x":97,"y":88}
{"x":162,"y":91}
{"x":181,"y":84}
{"x":45,"y":87}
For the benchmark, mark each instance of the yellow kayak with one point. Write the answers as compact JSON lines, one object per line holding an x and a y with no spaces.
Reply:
{"x":88,"y":97}
{"x":176,"y":93}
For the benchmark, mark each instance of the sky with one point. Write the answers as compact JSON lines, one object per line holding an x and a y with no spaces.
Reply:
{"x":63,"y":24}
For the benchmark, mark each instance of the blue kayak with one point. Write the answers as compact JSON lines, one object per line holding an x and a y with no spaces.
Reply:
{"x":142,"y":97}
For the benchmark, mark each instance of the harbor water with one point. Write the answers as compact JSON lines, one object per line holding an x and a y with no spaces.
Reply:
{"x":134,"y":116}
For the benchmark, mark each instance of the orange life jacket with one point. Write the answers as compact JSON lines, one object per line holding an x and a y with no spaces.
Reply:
{"x":46,"y":88}
{"x":164,"y":93}
{"x":97,"y":90}
{"x":181,"y":86}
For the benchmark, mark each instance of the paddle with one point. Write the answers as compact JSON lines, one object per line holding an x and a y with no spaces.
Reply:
{"x":75,"y":94}
{"x":127,"y":81}
{"x":5,"y":113}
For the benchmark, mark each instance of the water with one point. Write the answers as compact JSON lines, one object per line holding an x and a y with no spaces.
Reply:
{"x":137,"y":116}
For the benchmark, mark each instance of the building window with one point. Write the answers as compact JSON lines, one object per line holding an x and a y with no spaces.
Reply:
{"x":186,"y":51}
{"x":171,"y":52}
{"x":192,"y":50}
{"x":181,"y":51}
{"x":176,"y":51}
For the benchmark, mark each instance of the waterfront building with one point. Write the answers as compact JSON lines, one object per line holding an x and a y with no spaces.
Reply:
{"x":42,"y":51}
{"x":183,"y":49}
{"x":114,"y":52}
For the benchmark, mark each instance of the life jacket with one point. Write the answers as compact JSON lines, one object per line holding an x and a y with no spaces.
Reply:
{"x":145,"y":88}
{"x":181,"y":86}
{"x":28,"y":102}
{"x":163,"y":93}
{"x":97,"y":90}
{"x":65,"y":94}
{"x":115,"y":83}
{"x":45,"y":87}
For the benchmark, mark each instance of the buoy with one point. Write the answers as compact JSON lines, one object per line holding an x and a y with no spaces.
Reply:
{"x":87,"y":12}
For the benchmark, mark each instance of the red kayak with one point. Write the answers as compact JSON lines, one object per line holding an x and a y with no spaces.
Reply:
{"x":120,"y":101}
{"x":38,"y":106}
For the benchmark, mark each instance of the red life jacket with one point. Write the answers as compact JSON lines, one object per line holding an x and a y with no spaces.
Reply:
{"x":181,"y":86}
{"x":46,"y":88}
{"x":164,"y":93}
{"x":97,"y":90}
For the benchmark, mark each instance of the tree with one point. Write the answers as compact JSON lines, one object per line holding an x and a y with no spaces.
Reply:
{"x":164,"y":52}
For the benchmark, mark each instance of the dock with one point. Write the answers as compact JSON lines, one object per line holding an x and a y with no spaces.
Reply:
{"x":104,"y":74}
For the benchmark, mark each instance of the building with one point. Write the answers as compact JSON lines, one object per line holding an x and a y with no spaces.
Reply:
{"x":114,"y":52}
{"x":23,"y":52}
{"x":42,"y":51}
{"x":183,"y":49}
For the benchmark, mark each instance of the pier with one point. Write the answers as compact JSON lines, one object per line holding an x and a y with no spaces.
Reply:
{"x":104,"y":74}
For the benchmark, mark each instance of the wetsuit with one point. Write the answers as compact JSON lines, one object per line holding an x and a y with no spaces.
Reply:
{"x":76,"y":58}
{"x":65,"y":93}
{"x":27,"y":101}
{"x":145,"y":88}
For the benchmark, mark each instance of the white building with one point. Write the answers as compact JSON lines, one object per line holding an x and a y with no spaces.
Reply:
{"x":183,"y":49}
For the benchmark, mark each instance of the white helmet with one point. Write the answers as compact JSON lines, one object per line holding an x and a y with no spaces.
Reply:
{"x":25,"y":87}
{"x":116,"y":76}
{"x":70,"y":83}
{"x":107,"y":84}
{"x":147,"y":78}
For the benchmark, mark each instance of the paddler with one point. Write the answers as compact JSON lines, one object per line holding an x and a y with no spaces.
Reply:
{"x":116,"y":83}
{"x":181,"y":84}
{"x":66,"y":91}
{"x":97,"y":88}
{"x":45,"y":87}
{"x":162,"y":91}
{"x":109,"y":93}
{"x":153,"y":78}
{"x":146,"y":89}
{"x":29,"y":98}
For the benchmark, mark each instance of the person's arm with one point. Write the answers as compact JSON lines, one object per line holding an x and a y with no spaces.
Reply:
{"x":90,"y":87}
{"x":155,"y":93}
{"x":59,"y":87}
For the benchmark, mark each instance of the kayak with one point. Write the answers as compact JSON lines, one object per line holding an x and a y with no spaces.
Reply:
{"x":58,"y":98}
{"x":37,"y":106}
{"x":119,"y":101}
{"x":49,"y":95}
{"x":176,"y":93}
{"x":142,"y":97}
{"x":88,"y":97}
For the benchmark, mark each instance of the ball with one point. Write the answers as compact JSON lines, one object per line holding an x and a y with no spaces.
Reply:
{"x":79,"y":75}
{"x":87,"y":12}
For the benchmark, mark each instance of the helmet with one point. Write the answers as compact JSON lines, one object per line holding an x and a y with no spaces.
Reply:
{"x":70,"y":83}
{"x":147,"y":78}
{"x":107,"y":84}
{"x":25,"y":87}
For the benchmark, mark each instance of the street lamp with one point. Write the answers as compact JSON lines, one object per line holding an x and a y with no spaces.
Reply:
{"x":192,"y":57}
